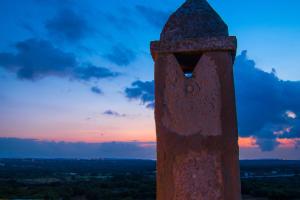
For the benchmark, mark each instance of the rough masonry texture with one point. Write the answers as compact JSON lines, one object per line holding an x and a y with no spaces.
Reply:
{"x":197,"y":140}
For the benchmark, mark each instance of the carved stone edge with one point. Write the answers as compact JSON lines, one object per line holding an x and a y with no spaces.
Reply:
{"x":224,"y":43}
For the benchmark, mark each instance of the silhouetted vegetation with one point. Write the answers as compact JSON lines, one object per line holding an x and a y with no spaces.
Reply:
{"x":127,"y":179}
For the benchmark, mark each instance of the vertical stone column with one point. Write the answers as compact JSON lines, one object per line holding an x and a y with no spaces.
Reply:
{"x":197,"y":140}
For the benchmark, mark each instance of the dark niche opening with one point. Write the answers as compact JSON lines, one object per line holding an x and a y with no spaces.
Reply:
{"x":188,"y":62}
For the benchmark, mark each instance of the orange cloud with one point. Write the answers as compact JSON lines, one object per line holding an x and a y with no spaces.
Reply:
{"x":287,"y":143}
{"x":247,"y":142}
{"x":250,"y":142}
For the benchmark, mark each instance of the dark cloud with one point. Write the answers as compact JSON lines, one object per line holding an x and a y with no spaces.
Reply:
{"x":157,"y":18}
{"x":36,"y":59}
{"x":143,"y":91}
{"x":256,"y":89}
{"x":93,"y":72}
{"x":113,"y":113}
{"x":96,"y":90}
{"x":267,"y":144}
{"x":68,"y":25}
{"x":29,"y":148}
{"x":266,"y":105}
{"x":268,"y":108}
{"x":120,"y":55}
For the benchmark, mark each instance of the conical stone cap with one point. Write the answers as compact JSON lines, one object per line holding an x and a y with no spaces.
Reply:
{"x":194,"y":19}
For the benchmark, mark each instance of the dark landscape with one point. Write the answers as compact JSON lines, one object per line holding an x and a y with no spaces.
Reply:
{"x":129,"y":179}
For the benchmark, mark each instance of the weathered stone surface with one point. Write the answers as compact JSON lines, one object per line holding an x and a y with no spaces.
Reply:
{"x":197,"y":44}
{"x":197,"y":140}
{"x":194,"y":19}
{"x":205,"y":181}
{"x":212,"y":138}
{"x":192,"y":103}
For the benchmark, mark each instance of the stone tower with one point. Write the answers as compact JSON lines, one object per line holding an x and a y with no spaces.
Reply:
{"x":197,"y":139}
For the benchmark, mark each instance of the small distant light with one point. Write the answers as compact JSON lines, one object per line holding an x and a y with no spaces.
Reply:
{"x":291,"y":114}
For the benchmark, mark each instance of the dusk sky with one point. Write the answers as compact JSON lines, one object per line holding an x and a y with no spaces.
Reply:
{"x":76,"y":72}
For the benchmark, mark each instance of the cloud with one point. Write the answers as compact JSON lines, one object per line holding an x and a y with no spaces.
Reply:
{"x":93,"y":72}
{"x":143,"y":91}
{"x":267,"y":107}
{"x":96,"y":90}
{"x":267,"y":144}
{"x":36,"y":59}
{"x":157,"y":18}
{"x":68,"y":25}
{"x":113,"y":113}
{"x":30,"y":148}
{"x":120,"y":55}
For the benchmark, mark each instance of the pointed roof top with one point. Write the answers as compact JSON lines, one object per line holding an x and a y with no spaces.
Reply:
{"x":194,"y":19}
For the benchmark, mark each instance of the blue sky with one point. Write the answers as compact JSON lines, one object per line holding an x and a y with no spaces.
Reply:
{"x":81,"y":71}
